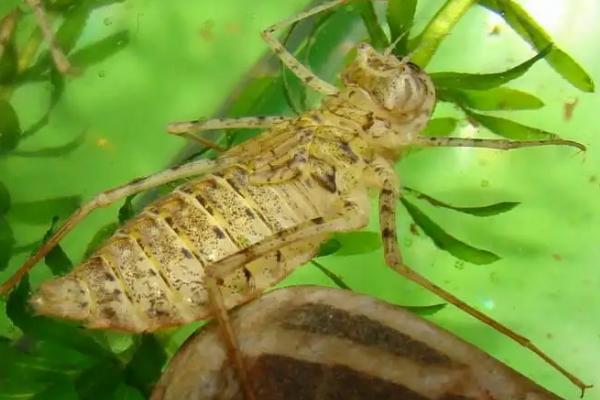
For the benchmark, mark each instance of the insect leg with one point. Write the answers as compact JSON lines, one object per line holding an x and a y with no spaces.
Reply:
{"x":499,"y":144}
{"x":188,"y":128}
{"x":228,"y":336}
{"x":387,"y":219}
{"x":305,"y":74}
{"x":108,"y":197}
{"x":60,"y":60}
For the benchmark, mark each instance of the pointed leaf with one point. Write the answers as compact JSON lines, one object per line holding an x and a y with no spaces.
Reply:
{"x":8,"y":63}
{"x":101,"y":50}
{"x":40,"y":212}
{"x":501,"y":98}
{"x":481,"y":211}
{"x":425,"y":311}
{"x":329,"y":247}
{"x":55,"y":151}
{"x":100,"y":236}
{"x":7,"y":242}
{"x":437,"y":30}
{"x":10,"y":129}
{"x":534,"y":34}
{"x":126,"y":211}
{"x":446,"y":242}
{"x":57,"y":260}
{"x":400,"y":15}
{"x":145,"y":367}
{"x":485,"y":81}
{"x":510,"y":129}
{"x":57,"y":81}
{"x":366,"y":10}
{"x":334,"y":277}
{"x":71,"y":29}
{"x":357,"y":242}
{"x":440,"y":127}
{"x":4,"y":199}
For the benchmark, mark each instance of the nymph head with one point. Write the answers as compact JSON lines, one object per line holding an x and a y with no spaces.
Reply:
{"x":400,"y":95}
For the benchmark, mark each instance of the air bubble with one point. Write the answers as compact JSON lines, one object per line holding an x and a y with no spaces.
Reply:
{"x":107,"y":21}
{"x":485,"y":183}
{"x":407,"y":242}
{"x":459,"y":264}
{"x":101,"y":74}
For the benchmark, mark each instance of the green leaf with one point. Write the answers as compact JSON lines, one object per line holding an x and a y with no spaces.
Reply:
{"x":100,"y":236}
{"x":425,"y":311}
{"x":485,"y":81}
{"x":501,"y":98}
{"x":400,"y":15}
{"x":8,"y":63}
{"x":4,"y":199}
{"x":440,"y":127}
{"x":100,"y":381}
{"x":534,"y":34}
{"x":41,"y":211}
{"x":145,"y":366}
{"x":437,"y":30}
{"x":125,"y":392}
{"x":357,"y":242}
{"x":57,"y":260}
{"x":510,"y":129}
{"x":10,"y":129}
{"x":334,"y":277}
{"x":481,"y":211}
{"x":329,"y":247}
{"x":60,"y":389}
{"x":126,"y":211}
{"x":48,"y":152}
{"x":100,"y":50}
{"x":57,"y":81}
{"x":72,"y":27}
{"x":446,"y":242}
{"x":366,"y":10}
{"x":7,"y":242}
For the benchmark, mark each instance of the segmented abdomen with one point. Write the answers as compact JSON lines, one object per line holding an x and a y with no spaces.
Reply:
{"x":151,"y":273}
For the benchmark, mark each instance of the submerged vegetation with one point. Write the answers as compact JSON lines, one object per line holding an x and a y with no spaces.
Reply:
{"x":49,"y":359}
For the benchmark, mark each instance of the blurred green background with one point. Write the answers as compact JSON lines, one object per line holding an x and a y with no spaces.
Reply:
{"x":184,"y":60}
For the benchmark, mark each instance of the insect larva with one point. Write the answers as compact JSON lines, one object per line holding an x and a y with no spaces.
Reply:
{"x":263,"y":207}
{"x":308,"y":343}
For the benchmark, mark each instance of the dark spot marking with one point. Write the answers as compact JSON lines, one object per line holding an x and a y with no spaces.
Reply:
{"x":108,"y":312}
{"x":186,"y":253}
{"x":136,"y":180}
{"x":219,"y":232}
{"x":109,"y":277}
{"x":247,"y":274}
{"x":278,"y":256}
{"x":369,"y":122}
{"x":249,"y":213}
{"x":220,"y":281}
{"x":345,"y":147}
{"x":204,"y":204}
{"x":385,"y":208}
{"x":309,"y":79}
{"x":326,"y":180}
{"x":387,"y":233}
{"x":151,"y":272}
{"x":386,"y":192}
{"x":318,"y":220}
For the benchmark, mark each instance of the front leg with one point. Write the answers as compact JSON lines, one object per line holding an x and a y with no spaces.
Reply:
{"x":387,"y":217}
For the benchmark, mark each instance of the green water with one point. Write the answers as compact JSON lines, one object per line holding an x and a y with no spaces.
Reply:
{"x":185,"y":58}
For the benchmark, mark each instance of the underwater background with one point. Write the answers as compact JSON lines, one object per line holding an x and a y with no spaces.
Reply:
{"x":180,"y":60}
